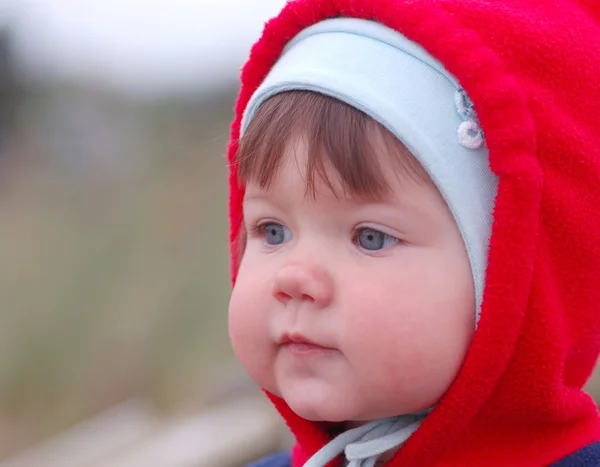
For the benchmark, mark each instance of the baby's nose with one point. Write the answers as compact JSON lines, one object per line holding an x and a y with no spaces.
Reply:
{"x":303,"y":282}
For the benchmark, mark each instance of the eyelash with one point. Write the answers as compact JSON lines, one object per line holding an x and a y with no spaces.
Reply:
{"x":258,"y":231}
{"x":389,"y":237}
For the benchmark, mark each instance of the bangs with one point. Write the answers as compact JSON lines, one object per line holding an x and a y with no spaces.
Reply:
{"x":338,"y":137}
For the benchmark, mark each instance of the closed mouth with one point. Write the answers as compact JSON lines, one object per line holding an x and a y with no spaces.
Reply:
{"x":300,"y":342}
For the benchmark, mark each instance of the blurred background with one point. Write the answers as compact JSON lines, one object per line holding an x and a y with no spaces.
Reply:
{"x":114,"y":117}
{"x":114,"y":283}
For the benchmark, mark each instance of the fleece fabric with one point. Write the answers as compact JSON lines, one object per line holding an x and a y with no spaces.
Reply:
{"x":531,"y":69}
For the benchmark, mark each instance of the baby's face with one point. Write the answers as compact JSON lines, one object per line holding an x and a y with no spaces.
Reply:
{"x":350,"y":309}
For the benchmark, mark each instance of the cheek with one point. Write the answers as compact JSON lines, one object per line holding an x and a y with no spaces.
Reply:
{"x":246,"y":304}
{"x":246,"y":310}
{"x":421,"y":308}
{"x":240,"y":322}
{"x":248,"y":331}
{"x":408,"y":331}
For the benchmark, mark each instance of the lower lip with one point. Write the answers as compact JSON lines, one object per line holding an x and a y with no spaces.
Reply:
{"x":305,"y":349}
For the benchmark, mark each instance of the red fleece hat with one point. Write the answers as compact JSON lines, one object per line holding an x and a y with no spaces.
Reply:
{"x":531,"y":69}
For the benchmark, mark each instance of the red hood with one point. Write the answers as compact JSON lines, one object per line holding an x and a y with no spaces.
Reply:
{"x":532,"y":69}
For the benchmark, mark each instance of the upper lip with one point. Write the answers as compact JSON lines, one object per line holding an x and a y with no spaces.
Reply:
{"x":297,"y":338}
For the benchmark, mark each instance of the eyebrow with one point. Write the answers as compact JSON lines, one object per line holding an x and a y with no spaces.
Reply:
{"x":356,"y":201}
{"x":256,"y":197}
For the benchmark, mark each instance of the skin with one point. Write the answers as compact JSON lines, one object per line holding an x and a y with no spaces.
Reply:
{"x":344,"y":323}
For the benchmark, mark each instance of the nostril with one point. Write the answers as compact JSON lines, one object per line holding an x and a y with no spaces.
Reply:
{"x":285,"y":298}
{"x":282,"y":297}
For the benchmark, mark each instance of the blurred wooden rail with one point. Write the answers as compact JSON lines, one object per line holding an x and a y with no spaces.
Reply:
{"x":229,"y":435}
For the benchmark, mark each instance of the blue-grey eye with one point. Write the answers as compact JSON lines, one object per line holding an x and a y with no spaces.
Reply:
{"x":276,"y":234}
{"x":373,"y":240}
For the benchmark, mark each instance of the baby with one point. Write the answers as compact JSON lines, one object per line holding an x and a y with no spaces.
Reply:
{"x":368,"y":301}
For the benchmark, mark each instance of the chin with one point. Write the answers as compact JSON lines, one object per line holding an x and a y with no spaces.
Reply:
{"x":318,"y":412}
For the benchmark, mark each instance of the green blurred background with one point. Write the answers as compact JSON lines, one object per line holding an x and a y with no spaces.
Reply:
{"x":114,"y":282}
{"x":113,"y":261}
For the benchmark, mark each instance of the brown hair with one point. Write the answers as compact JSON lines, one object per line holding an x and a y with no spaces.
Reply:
{"x":337,"y":135}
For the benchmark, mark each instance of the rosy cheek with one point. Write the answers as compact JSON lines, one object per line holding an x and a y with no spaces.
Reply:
{"x":240,"y":323}
{"x":248,"y":327}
